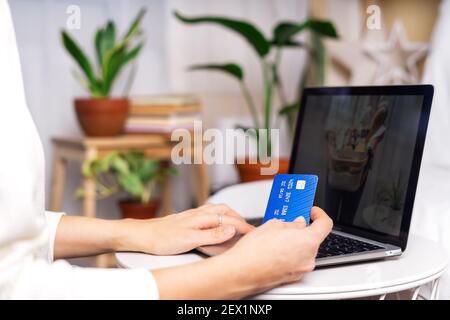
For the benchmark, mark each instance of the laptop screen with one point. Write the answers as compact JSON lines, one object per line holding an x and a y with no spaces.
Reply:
{"x":362,"y":148}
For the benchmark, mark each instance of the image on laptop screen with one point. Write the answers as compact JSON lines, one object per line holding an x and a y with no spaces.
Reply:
{"x":362,"y":149}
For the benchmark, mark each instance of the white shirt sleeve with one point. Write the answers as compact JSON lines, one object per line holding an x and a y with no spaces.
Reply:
{"x":39,"y":279}
{"x":53,"y":219}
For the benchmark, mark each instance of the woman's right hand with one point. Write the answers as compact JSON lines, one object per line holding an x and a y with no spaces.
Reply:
{"x":271,"y":255}
{"x":279,"y":252}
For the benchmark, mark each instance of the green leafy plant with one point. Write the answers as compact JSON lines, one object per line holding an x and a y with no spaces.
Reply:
{"x":283,"y":36}
{"x":393,"y":193}
{"x":130,"y":171}
{"x":112,"y":55}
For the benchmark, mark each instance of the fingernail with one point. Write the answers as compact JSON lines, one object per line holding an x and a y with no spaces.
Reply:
{"x":228,"y":230}
{"x":302,"y":219}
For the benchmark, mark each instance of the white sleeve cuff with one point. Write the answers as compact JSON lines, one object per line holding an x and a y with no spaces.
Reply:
{"x":53,"y":219}
{"x":39,"y":279}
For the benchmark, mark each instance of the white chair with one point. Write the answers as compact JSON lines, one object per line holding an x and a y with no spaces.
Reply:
{"x":248,"y":199}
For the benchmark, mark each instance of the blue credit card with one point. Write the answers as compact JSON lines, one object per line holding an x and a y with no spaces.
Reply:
{"x":292,"y":196}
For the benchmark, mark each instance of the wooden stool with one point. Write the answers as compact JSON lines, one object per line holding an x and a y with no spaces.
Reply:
{"x":155,"y":146}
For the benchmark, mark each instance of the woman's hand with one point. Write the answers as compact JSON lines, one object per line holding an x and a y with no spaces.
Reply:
{"x":271,"y":255}
{"x":181,"y":232}
{"x":279,"y":252}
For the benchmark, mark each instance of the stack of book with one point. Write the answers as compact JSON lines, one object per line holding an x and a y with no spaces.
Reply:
{"x":162,"y":114}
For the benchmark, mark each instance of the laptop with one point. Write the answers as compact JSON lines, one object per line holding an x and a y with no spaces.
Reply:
{"x":365,"y":144}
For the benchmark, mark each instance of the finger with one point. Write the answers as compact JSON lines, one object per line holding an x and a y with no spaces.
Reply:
{"x":221,"y":209}
{"x":300,"y":222}
{"x":321,"y":225}
{"x":215,"y":235}
{"x":317,"y":212}
{"x":211,"y":220}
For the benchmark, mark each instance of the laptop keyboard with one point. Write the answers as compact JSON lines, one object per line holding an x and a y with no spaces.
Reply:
{"x":334,"y":244}
{"x":337,"y":245}
{"x":256,"y":222}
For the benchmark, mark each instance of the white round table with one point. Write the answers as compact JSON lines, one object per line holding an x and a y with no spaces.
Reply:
{"x":422,"y":264}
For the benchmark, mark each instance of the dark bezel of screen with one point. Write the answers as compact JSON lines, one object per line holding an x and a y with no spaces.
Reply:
{"x":415,"y":90}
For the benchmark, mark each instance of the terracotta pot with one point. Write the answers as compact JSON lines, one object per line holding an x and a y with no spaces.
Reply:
{"x":102,"y":117}
{"x":137,"y":210}
{"x":252,"y":172}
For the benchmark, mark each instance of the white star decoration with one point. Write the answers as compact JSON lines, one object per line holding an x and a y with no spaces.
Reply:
{"x":359,"y":68}
{"x":397,"y":58}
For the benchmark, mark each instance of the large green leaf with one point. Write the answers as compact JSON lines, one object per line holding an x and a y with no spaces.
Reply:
{"x":105,"y":39}
{"x":284,"y":32}
{"x":131,"y":184}
{"x":120,"y":166}
{"x":149,"y":170}
{"x":113,"y":63}
{"x":134,"y":158}
{"x":115,"y":60}
{"x":247,"y":30}
{"x":231,"y":69}
{"x":82,"y":61}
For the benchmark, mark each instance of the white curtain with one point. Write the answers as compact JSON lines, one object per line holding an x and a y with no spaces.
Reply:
{"x":431,"y":216}
{"x":171,"y":46}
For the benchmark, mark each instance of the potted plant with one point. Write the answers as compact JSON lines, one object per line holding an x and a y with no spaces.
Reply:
{"x":101,"y":114}
{"x":132,"y":173}
{"x":393,"y":194}
{"x":282,"y":37}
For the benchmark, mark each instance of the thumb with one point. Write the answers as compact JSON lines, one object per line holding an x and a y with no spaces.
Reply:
{"x":300,"y":222}
{"x":216,"y":235}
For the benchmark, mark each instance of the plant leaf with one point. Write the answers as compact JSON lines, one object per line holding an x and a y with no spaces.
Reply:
{"x":105,"y":39}
{"x":171,"y":171}
{"x":133,"y":53}
{"x":83,"y":62}
{"x":134,"y":158}
{"x":250,"y":131}
{"x":288,"y":109}
{"x":231,"y":69}
{"x":86,"y":168}
{"x":134,"y":27}
{"x":82,"y":80}
{"x":148,"y":170}
{"x":80,"y":193}
{"x":131,"y":184}
{"x":319,"y":57}
{"x":285,"y":31}
{"x":114,"y":62}
{"x":120,"y":165}
{"x":290,"y":112}
{"x":290,"y":43}
{"x":247,"y":30}
{"x":117,"y":56}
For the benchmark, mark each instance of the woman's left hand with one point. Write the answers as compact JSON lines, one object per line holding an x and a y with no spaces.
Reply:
{"x":181,"y":232}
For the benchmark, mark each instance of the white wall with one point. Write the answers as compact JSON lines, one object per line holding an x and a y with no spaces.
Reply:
{"x":171,"y":46}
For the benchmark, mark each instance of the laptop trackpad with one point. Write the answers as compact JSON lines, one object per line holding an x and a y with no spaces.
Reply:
{"x":217,"y":249}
